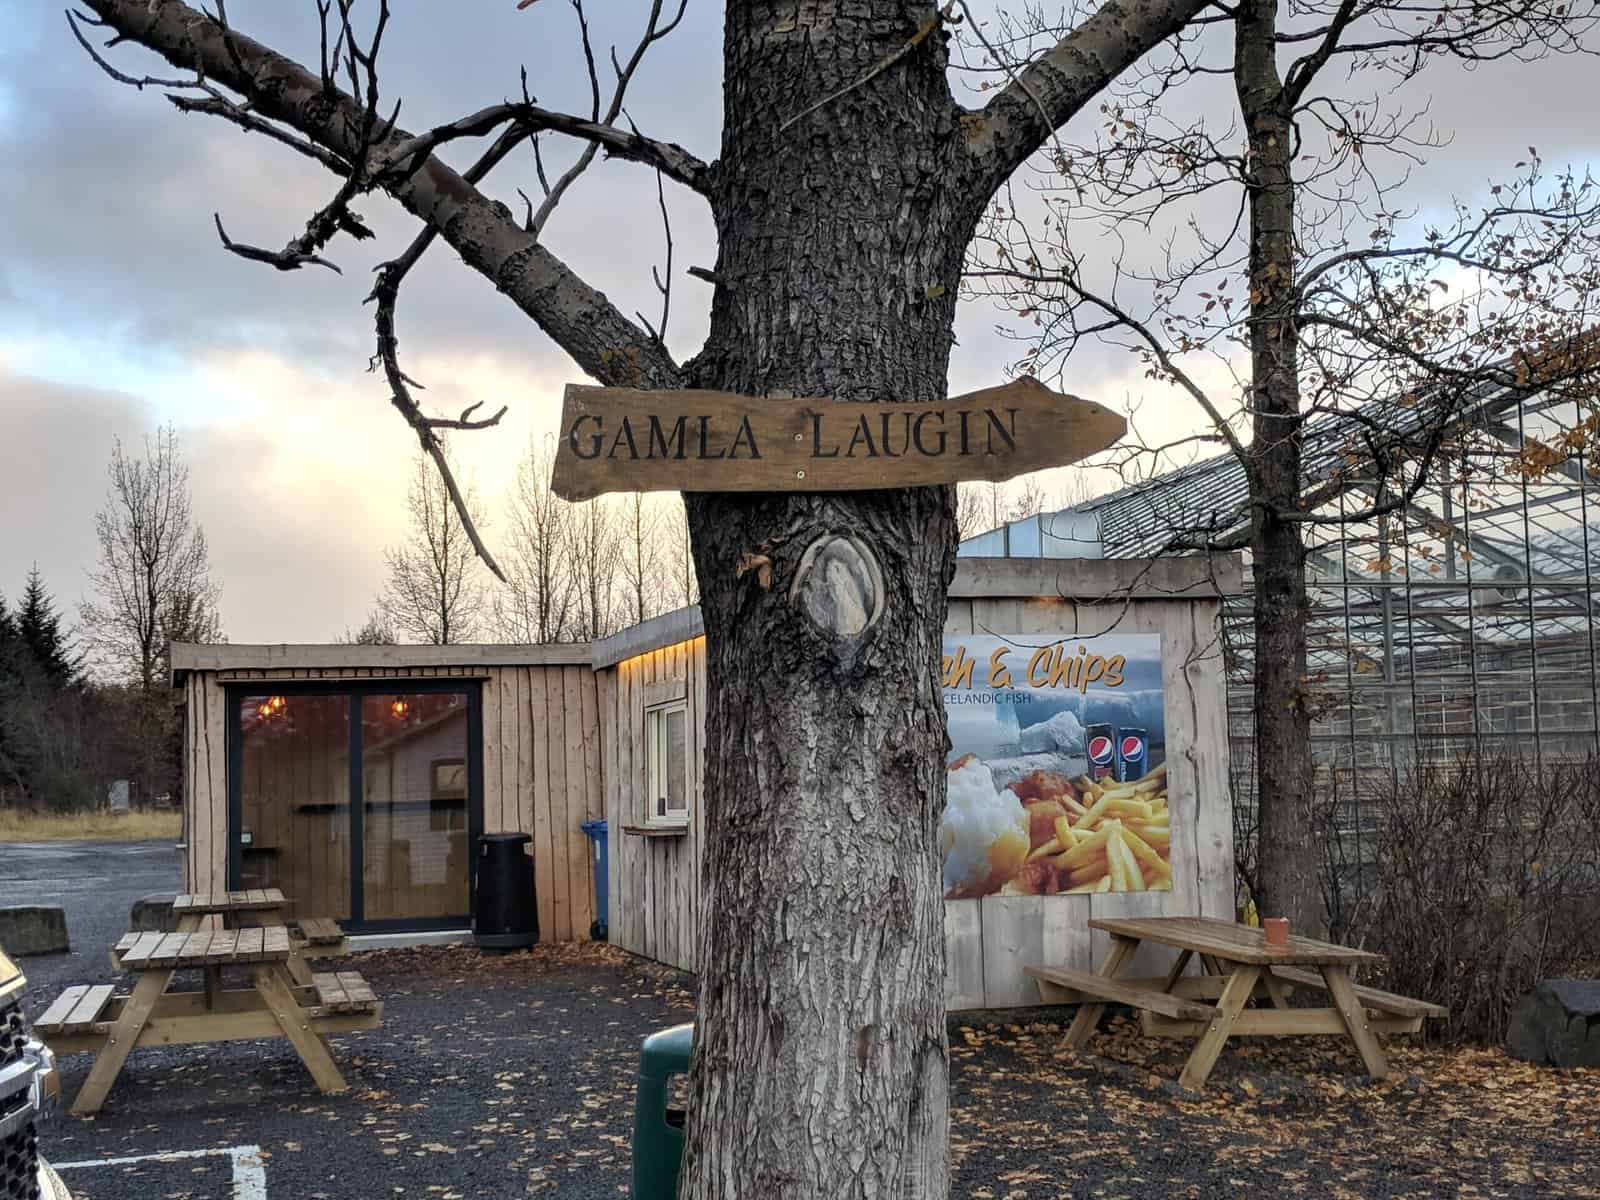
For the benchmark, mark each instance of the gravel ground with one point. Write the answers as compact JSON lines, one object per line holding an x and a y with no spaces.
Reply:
{"x":489,"y":1077}
{"x":513,"y":1076}
{"x":1279,"y":1118}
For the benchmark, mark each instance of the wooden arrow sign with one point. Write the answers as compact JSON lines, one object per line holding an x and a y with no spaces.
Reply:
{"x":623,"y":440}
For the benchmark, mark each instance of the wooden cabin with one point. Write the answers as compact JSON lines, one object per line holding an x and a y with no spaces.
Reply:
{"x":442,"y":743}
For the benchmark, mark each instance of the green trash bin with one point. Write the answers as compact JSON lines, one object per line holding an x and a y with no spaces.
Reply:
{"x":658,"y":1128}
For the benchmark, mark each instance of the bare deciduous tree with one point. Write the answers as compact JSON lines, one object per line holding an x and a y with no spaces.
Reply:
{"x":537,"y":603}
{"x":152,"y":581}
{"x":677,"y":553}
{"x":1293,"y":260}
{"x":435,"y":590}
{"x":594,"y":548}
{"x":849,"y":184}
{"x":376,"y":632}
{"x":639,"y":570}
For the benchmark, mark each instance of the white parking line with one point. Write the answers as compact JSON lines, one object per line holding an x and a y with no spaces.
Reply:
{"x":249,"y":1172}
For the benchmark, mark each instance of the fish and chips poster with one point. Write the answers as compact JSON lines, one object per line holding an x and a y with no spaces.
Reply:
{"x":1057,"y":768}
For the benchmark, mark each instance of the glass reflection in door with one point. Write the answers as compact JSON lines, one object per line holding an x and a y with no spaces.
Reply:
{"x":294,"y":800}
{"x":415,"y":805}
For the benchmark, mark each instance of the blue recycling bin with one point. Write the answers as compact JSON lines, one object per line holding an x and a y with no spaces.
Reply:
{"x":600,"y":930}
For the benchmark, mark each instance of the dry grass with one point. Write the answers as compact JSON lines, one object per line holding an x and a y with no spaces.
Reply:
{"x":19,"y":825}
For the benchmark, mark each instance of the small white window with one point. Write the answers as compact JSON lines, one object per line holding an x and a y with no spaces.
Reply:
{"x":666,"y":735}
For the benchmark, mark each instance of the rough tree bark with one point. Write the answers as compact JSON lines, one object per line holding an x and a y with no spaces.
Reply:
{"x":849,"y":186}
{"x":822,"y":1062}
{"x":1287,"y":854}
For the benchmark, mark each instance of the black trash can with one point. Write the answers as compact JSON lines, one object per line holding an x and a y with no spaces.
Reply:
{"x":505,"y":915}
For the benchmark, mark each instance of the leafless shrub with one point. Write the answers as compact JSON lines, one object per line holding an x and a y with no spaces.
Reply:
{"x":1482,"y":877}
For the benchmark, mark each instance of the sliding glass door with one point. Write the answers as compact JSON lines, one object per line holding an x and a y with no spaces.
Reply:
{"x":415,"y":855}
{"x":400,"y":858}
{"x":292,"y":828}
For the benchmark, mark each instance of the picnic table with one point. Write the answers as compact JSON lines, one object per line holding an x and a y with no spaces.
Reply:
{"x":252,"y":906}
{"x":276,"y":1004}
{"x":317,"y":937}
{"x":1239,"y":969}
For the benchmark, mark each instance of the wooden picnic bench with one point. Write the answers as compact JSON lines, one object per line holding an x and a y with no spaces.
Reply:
{"x":317,"y":937}
{"x":1240,"y":970}
{"x":275,"y":1005}
{"x":321,"y":937}
{"x":251,"y":906}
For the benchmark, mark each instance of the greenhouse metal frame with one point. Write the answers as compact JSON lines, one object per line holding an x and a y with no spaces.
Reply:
{"x":1459,"y":624}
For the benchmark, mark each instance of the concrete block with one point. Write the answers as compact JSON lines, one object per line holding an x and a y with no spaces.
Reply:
{"x":153,"y":914}
{"x":33,"y":929}
{"x":1558,"y":1024}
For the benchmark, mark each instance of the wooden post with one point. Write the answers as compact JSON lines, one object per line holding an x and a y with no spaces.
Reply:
{"x":1354,"y":1017}
{"x":1088,"y":1018}
{"x":276,"y":988}
{"x":120,"y":1041}
{"x":1177,"y":969}
{"x":1235,"y":995}
{"x":1276,"y":988}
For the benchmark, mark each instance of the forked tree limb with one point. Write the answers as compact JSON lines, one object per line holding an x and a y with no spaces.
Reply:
{"x":671,"y":160}
{"x":597,"y":335}
{"x":1021,"y":118}
{"x":386,"y":291}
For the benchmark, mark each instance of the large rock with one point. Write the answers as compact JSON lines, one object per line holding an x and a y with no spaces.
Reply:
{"x":1558,"y":1023}
{"x":153,"y":914}
{"x":33,"y":929}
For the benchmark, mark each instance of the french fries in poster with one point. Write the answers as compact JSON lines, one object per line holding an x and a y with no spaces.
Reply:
{"x":1057,"y":770}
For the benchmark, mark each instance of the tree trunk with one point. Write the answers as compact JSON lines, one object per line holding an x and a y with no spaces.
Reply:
{"x":821,"y":1058}
{"x":1286,"y":847}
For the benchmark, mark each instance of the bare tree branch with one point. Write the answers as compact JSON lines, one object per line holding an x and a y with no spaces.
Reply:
{"x":672,"y":160}
{"x":580,"y":319}
{"x":1041,"y":98}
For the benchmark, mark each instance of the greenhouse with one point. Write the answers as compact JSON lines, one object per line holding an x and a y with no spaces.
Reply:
{"x":1457,"y":623}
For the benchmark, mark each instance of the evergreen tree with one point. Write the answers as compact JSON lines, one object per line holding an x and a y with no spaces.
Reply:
{"x":38,"y":628}
{"x":8,"y":634}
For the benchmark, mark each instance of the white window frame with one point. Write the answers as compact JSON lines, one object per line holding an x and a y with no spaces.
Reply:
{"x":656,"y":765}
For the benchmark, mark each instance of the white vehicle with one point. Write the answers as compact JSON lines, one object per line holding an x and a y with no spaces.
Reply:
{"x":29,"y":1090}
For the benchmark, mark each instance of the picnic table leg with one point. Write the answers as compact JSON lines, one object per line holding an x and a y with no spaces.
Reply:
{"x":1275,"y":988}
{"x":277,"y":988}
{"x":299,"y":970}
{"x":1355,"y":1021}
{"x":1235,"y":994}
{"x":1177,"y":970}
{"x":1088,"y":1016}
{"x":120,"y":1041}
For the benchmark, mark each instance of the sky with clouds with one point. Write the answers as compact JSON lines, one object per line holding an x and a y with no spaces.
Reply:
{"x":120,"y":312}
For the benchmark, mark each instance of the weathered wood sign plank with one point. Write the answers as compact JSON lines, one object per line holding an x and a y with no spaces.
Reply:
{"x":626,"y":440}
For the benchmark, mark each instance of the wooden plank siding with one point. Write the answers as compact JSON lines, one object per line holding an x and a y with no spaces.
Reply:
{"x":655,"y":895}
{"x":1018,"y":930}
{"x":543,"y":774}
{"x":205,"y":762}
{"x":564,"y":742}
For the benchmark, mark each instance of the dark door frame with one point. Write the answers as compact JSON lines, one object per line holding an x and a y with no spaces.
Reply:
{"x":356,"y":689}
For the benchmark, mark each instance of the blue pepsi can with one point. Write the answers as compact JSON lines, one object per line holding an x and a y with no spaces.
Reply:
{"x":1133,"y":754}
{"x":1100,"y":748}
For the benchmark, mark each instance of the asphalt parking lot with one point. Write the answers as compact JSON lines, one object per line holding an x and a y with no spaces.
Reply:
{"x":96,"y":884}
{"x":513,"y":1076}
{"x":504,"y":1076}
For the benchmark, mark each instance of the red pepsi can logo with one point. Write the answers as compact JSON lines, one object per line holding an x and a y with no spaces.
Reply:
{"x":1100,"y":750}
{"x":1132,"y":746}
